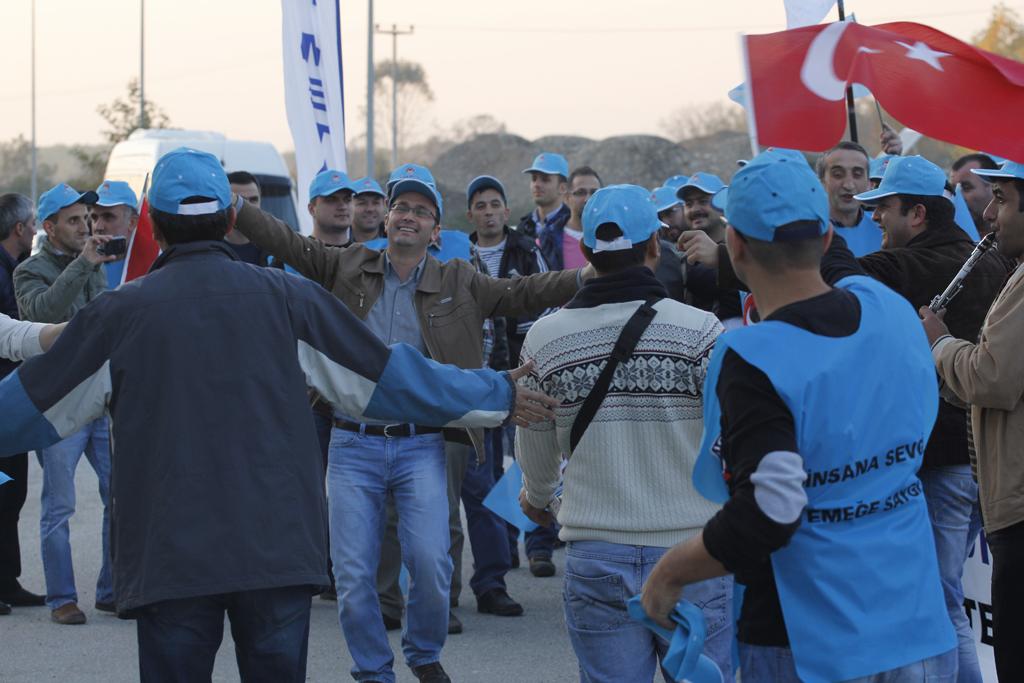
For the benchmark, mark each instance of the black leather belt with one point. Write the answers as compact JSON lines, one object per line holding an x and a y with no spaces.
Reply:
{"x":390,"y":431}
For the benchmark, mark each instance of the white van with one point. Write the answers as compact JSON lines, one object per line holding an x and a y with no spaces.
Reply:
{"x":133,"y":159}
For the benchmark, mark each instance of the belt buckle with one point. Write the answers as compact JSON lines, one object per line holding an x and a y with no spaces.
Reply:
{"x":388,"y":434}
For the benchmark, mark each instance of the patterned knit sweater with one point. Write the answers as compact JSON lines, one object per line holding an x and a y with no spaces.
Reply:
{"x":629,"y":480}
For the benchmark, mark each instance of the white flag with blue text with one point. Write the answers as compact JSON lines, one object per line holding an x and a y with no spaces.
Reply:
{"x":314,"y":88}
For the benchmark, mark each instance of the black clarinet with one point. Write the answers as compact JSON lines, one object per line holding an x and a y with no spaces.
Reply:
{"x":942,"y":300}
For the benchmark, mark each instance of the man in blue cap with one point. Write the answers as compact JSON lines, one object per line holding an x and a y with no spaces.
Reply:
{"x":330,"y":205}
{"x":987,"y":376}
{"x":812,"y":492}
{"x":405,"y":295}
{"x":549,"y":182}
{"x":976,"y":192}
{"x":52,"y":286}
{"x":628,"y":494}
{"x":370,"y":206}
{"x":670,"y":213}
{"x":115,"y":213}
{"x":197,"y":412}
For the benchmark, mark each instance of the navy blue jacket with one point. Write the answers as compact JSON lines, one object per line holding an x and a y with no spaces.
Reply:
{"x":217,"y":482}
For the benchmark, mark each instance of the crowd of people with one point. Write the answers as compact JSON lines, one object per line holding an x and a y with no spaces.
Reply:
{"x":705,"y":386}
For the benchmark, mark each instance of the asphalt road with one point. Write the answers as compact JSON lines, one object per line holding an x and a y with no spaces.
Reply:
{"x":533,"y":648}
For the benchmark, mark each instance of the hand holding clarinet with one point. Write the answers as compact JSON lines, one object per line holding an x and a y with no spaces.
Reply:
{"x":933,"y":314}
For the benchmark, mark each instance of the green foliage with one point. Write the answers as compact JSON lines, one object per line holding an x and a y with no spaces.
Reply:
{"x":122,"y":115}
{"x":16,"y":168}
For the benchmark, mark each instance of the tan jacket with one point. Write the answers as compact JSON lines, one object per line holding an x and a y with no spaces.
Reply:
{"x":989,"y":376}
{"x":452,"y":298}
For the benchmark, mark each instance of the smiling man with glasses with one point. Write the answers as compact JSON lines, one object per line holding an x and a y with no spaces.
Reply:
{"x":403,"y":294}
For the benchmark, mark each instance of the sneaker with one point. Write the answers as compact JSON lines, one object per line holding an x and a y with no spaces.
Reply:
{"x":542,"y":566}
{"x":454,"y":627}
{"x":20,"y":597}
{"x":497,"y":601}
{"x":110,"y":607}
{"x":391,"y":624}
{"x":68,"y":615}
{"x":4,"y":608}
{"x":330,"y":593}
{"x":430,"y":673}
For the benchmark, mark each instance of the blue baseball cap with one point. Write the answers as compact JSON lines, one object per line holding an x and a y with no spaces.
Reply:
{"x":368,"y":185}
{"x":549,"y":163}
{"x":484,"y":182}
{"x":419,"y":187}
{"x":183,"y":173}
{"x":627,"y":206}
{"x":116,"y":192}
{"x":1008,"y":170}
{"x":60,"y":197}
{"x":708,"y":183}
{"x":665,"y":198}
{"x":776,"y":188}
{"x":908,"y":175}
{"x":675,"y":181}
{"x":407,"y":171}
{"x":877,"y":166}
{"x":328,"y":182}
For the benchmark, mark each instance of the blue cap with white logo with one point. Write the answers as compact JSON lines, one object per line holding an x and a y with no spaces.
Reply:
{"x":419,"y":187}
{"x":908,"y":175}
{"x":368,"y":185}
{"x":877,"y":166}
{"x":665,"y":198}
{"x":708,"y":183}
{"x":115,"y":193}
{"x":484,"y":182}
{"x":328,"y":182}
{"x":549,"y":163}
{"x":627,"y":206}
{"x":60,"y":197}
{"x":675,"y":181}
{"x":184,"y":173}
{"x":775,"y":189}
{"x":1008,"y":170}
{"x":411,"y":171}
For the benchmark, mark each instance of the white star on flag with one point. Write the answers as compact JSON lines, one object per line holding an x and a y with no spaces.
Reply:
{"x":924,"y":53}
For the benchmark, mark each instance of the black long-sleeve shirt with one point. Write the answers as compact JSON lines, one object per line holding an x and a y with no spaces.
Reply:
{"x":755,"y":422}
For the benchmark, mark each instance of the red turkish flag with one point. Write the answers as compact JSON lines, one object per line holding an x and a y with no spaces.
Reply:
{"x":929,"y":81}
{"x":143,"y":249}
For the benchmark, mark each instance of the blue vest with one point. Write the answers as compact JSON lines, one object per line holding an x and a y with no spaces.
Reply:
{"x":859,"y":582}
{"x":863,"y":238}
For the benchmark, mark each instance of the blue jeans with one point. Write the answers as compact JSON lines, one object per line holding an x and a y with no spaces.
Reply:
{"x":610,"y":646}
{"x":487,"y":531}
{"x":763,"y":664}
{"x":179,"y":639}
{"x":952,"y":496}
{"x":361,"y":471}
{"x":59,"y":463}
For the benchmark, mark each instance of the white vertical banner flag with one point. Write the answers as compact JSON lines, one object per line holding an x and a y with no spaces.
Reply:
{"x":313,"y":88}
{"x":806,"y":12}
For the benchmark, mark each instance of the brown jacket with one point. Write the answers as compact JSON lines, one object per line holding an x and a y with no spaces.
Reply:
{"x":453,"y":299}
{"x":989,"y":375}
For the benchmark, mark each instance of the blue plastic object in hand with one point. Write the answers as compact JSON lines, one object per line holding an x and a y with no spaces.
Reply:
{"x":685,"y":659}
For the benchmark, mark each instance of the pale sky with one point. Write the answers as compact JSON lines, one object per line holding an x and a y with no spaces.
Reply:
{"x":586,"y":67}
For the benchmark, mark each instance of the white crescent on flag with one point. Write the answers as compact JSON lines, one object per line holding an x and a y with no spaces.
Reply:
{"x":818,"y":73}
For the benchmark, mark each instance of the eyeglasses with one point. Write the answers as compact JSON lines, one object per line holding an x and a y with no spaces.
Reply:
{"x":584,"y":192}
{"x":419,"y":211}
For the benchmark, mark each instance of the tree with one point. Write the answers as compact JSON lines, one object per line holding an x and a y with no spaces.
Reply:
{"x":1004,"y":34}
{"x":697,"y":121}
{"x":122,"y":117}
{"x":412,"y":97}
{"x":16,"y":168}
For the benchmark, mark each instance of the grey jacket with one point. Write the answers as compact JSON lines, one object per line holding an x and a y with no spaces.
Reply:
{"x":51,"y":287}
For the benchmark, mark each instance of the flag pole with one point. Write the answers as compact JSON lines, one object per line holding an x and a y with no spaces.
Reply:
{"x":850,"y":109}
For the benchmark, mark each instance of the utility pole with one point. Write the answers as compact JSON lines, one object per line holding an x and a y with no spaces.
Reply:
{"x":35,"y":178}
{"x":142,"y":63}
{"x":370,"y":166}
{"x":394,"y":31}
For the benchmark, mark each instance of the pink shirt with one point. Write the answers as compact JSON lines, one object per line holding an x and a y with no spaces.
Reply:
{"x":572,"y":257}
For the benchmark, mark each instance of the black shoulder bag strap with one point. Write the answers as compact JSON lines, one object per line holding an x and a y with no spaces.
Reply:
{"x":624,"y":347}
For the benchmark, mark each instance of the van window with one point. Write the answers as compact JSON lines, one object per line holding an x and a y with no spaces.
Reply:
{"x":277,"y":199}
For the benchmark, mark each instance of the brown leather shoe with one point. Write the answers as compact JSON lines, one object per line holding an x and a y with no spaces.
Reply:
{"x":68,"y":615}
